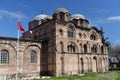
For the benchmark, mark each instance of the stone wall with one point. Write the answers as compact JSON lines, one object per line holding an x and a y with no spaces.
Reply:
{"x":76,"y":63}
{"x":24,"y":65}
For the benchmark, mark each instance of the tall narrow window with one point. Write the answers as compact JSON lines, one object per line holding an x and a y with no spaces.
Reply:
{"x":61,"y":32}
{"x":62,"y":16}
{"x":70,"y":32}
{"x":33,"y":57}
{"x":81,"y":49}
{"x":85,"y":48}
{"x":80,"y":35}
{"x":94,"y":49}
{"x":3,"y":57}
{"x":84,"y":36}
{"x":61,"y":46}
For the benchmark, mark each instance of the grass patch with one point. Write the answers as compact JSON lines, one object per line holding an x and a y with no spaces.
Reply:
{"x":112,"y":75}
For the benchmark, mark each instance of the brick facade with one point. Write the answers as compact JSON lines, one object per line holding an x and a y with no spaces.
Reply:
{"x":24,"y":65}
{"x":64,"y":43}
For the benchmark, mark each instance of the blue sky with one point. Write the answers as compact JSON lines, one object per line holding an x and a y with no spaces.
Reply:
{"x":105,"y":13}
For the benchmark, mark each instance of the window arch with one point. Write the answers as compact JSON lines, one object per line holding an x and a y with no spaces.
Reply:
{"x":84,"y":36}
{"x":61,"y":46}
{"x":81,"y":22}
{"x":94,"y":49}
{"x":81,"y":48}
{"x":85,"y":48}
{"x":92,"y":37}
{"x":61,"y":32}
{"x":33,"y":57}
{"x":70,"y":32}
{"x":80,"y":35}
{"x":71,"y":48}
{"x":4,"y":56}
{"x":61,"y":16}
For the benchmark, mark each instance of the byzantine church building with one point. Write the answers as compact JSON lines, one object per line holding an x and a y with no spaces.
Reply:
{"x":60,"y":44}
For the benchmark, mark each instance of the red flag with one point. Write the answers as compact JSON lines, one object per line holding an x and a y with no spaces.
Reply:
{"x":20,"y":26}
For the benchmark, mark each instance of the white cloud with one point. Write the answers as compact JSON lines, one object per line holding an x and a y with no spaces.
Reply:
{"x":114,"y":18}
{"x":8,"y":14}
{"x":98,"y":21}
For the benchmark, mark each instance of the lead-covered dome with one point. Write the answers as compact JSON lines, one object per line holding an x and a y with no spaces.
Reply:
{"x":77,"y":16}
{"x":40,"y":17}
{"x":61,"y":10}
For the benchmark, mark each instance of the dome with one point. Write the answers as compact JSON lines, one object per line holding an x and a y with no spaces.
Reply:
{"x":40,"y":16}
{"x":48,"y":17}
{"x":61,"y":10}
{"x":77,"y":16}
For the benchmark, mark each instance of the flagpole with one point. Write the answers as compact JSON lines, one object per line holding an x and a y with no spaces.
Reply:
{"x":20,"y":28}
{"x":17,"y":56}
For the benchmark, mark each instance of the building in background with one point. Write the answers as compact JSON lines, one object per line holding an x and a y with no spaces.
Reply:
{"x":61,"y":44}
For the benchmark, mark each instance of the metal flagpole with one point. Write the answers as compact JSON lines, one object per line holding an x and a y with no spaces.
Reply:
{"x":17,"y":56}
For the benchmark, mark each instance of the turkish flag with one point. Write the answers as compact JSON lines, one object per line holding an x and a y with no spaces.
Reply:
{"x":20,"y":27}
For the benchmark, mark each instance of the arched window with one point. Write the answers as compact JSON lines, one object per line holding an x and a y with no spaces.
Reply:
{"x":61,"y":16}
{"x":33,"y":57}
{"x":92,"y":37}
{"x":61,"y":32}
{"x":71,"y":48}
{"x":85,"y":48}
{"x":61,"y":46}
{"x":70,"y":32}
{"x":84,"y":36}
{"x":4,"y":57}
{"x":94,"y":49}
{"x":81,"y":48}
{"x":81,"y":22}
{"x":80,"y":35}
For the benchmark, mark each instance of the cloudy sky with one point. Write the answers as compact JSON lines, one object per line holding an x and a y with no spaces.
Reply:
{"x":100,"y":13}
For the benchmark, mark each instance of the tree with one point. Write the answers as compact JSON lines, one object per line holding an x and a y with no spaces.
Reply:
{"x":115,"y":51}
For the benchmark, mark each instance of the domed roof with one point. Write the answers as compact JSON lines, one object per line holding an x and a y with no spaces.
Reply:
{"x":48,"y":17}
{"x":61,"y":10}
{"x":77,"y":16}
{"x":40,"y":16}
